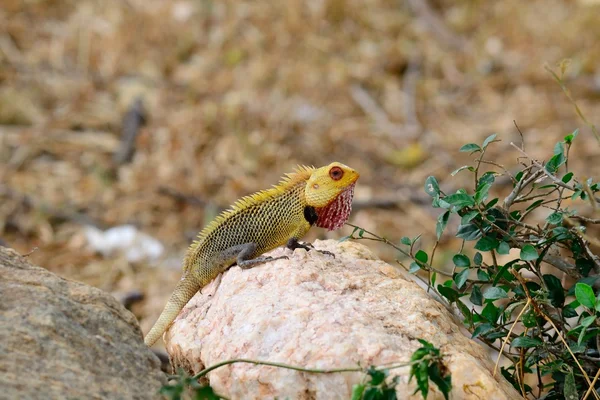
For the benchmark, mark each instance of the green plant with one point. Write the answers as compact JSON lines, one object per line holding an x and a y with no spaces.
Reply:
{"x":533,"y":322}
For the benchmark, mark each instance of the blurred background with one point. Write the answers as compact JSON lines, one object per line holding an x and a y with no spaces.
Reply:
{"x":126,"y":125}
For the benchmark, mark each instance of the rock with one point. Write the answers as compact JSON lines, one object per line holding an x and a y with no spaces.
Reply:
{"x":61,"y":339}
{"x":317,"y":311}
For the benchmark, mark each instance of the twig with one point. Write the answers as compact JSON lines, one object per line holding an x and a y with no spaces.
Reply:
{"x":592,"y":385}
{"x":586,"y":219}
{"x":552,"y":177}
{"x":133,"y":120}
{"x":508,"y":336}
{"x":300,"y":369}
{"x":524,"y":182}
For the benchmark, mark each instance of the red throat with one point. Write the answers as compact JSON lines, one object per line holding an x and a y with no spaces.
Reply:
{"x":335,"y":214}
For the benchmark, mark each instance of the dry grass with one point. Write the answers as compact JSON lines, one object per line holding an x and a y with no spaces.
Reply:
{"x":238,"y":92}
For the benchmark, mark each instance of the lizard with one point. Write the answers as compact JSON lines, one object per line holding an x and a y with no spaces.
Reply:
{"x":258,"y":223}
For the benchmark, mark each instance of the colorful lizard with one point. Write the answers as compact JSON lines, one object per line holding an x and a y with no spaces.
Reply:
{"x":261,"y":222}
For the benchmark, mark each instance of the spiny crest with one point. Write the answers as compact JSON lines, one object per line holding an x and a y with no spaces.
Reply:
{"x":300,"y":174}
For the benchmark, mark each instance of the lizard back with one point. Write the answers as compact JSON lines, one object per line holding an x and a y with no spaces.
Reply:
{"x":267,"y":218}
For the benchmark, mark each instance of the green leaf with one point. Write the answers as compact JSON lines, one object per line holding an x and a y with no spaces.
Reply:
{"x":528,"y":253}
{"x":422,"y":379}
{"x":494,"y":293}
{"x":460,"y":200}
{"x":441,"y":224}
{"x":465,"y":219}
{"x":414,"y":268}
{"x":569,"y":312}
{"x":555,"y":218}
{"x":206,"y":393}
{"x":558,"y":148}
{"x":525,"y":342}
{"x":490,"y":312}
{"x":372,"y":393}
{"x":518,"y":176}
{"x":444,"y":384}
{"x":488,"y":177}
{"x":464,"y":310}
{"x":468,"y":232}
{"x":470,"y":147}
{"x":405,"y":241}
{"x":357,"y":391}
{"x":456,"y":171}
{"x":482,"y":193}
{"x":432,"y":187}
{"x":503,"y":248}
{"x":439,"y":203}
{"x":570,"y":388}
{"x":377,"y":376}
{"x":483,"y":275}
{"x":460,"y":260}
{"x":569,"y":138}
{"x":535,"y":204}
{"x":478,"y":258}
{"x":421,"y":256}
{"x":529,"y":319}
{"x":587,"y":321}
{"x":476,"y":296}
{"x":555,"y":162}
{"x":567,"y":177}
{"x":488,"y":140}
{"x":461,"y":278}
{"x":585,"y":295}
{"x":449,"y":293}
{"x":486,"y":243}
{"x":491,"y":203}
{"x":556,"y":293}
{"x":482,"y":329}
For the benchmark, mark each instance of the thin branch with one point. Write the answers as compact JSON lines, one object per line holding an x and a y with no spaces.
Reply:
{"x":300,"y":369}
{"x":592,"y":385}
{"x":508,"y":336}
{"x":552,"y":177}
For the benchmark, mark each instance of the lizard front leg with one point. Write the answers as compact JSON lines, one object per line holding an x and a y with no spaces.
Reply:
{"x":242,"y":254}
{"x":294,"y":244}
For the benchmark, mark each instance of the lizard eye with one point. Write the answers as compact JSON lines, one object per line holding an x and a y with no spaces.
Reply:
{"x":336,"y":173}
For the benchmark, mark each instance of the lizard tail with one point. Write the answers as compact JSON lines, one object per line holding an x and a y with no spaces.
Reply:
{"x":184,"y":291}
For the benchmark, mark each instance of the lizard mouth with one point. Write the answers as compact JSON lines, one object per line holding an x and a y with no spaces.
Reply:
{"x":335,"y":214}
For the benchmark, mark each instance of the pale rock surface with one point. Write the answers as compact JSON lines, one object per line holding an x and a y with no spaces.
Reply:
{"x":317,"y":311}
{"x":61,"y":339}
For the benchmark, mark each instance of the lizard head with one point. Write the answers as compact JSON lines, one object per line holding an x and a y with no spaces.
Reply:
{"x":330,"y":190}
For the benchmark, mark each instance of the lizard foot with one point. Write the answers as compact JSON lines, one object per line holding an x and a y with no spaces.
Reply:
{"x":327,"y":253}
{"x":294,"y":244}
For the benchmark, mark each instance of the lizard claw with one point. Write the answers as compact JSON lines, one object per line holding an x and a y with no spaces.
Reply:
{"x":327,"y":253}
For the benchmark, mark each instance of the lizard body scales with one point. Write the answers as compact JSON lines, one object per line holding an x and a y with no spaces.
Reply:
{"x":261,"y":222}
